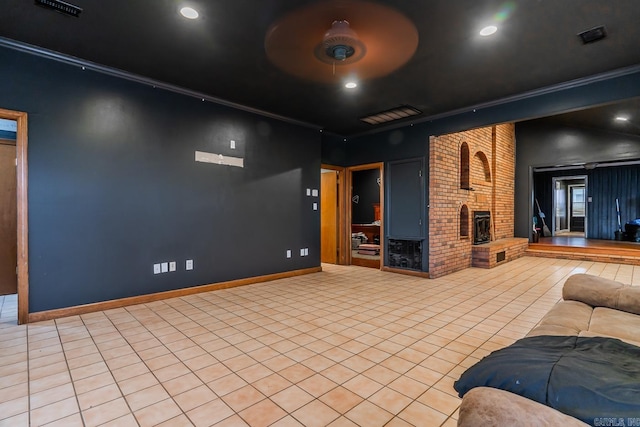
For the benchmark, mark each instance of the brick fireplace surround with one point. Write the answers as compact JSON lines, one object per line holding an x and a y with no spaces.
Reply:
{"x":471,"y":171}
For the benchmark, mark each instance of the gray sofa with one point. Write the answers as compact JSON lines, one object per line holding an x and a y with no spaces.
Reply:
{"x":591,"y":307}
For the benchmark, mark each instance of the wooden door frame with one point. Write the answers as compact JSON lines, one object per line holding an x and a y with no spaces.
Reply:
{"x":342,"y":224}
{"x":349,"y":195}
{"x":22,"y":211}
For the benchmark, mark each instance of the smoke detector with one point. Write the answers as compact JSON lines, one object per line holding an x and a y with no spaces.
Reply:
{"x":340,"y":45}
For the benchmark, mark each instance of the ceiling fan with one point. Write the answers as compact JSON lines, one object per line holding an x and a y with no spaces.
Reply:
{"x":331,"y":40}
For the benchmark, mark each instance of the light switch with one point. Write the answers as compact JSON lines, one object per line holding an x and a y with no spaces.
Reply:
{"x":308,"y":191}
{"x":288,"y":253}
{"x":314,"y":192}
{"x":172,"y":266}
{"x":315,"y":206}
{"x":156,"y":268}
{"x":233,"y":144}
{"x":189,"y":265}
{"x":164,"y":267}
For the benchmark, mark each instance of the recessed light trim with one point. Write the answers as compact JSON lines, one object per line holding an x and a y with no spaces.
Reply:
{"x":488,"y":30}
{"x":189,"y":12}
{"x":351,"y":85}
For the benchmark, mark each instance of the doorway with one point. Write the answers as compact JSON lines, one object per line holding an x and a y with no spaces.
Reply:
{"x":570,"y":206}
{"x":332,"y":215}
{"x":8,"y":210}
{"x":365,"y":221}
{"x":15,"y":261}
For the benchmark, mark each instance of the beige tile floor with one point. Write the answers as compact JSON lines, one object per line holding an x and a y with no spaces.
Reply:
{"x":349,"y":346}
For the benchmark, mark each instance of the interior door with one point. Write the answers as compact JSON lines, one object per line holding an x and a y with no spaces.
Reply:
{"x":8,"y":219}
{"x":329,"y":216}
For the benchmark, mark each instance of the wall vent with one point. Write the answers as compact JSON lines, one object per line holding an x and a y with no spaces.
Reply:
{"x":60,"y":6}
{"x":593,"y":35}
{"x":391,"y":115}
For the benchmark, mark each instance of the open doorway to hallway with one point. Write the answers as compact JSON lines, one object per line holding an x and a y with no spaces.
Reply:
{"x":570,"y":206}
{"x":8,"y":223}
{"x":332,"y":215}
{"x":16,"y":169}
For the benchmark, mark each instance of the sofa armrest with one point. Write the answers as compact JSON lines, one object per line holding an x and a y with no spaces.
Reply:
{"x":485,"y":406}
{"x":600,"y":292}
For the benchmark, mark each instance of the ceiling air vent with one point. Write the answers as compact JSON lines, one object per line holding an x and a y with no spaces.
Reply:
{"x":391,"y":115}
{"x":60,"y":6}
{"x":593,"y":35}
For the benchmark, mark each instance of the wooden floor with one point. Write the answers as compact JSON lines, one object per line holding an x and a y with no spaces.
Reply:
{"x":570,"y":247}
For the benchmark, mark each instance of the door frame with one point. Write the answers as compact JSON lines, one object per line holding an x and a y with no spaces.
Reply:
{"x":22,"y":211}
{"x":349,"y":186}
{"x":342,"y":224}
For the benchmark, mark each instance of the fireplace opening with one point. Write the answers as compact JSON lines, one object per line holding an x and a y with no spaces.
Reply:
{"x":481,"y":227}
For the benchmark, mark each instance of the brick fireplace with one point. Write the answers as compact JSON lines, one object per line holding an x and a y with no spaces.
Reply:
{"x":470,"y":172}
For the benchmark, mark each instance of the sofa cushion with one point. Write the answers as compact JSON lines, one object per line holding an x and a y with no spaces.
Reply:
{"x":565,"y":318}
{"x":615,"y":323}
{"x":600,"y":292}
{"x":485,"y":406}
{"x":570,"y":314}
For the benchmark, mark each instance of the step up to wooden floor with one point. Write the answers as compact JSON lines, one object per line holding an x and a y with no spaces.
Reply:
{"x":622,"y":256}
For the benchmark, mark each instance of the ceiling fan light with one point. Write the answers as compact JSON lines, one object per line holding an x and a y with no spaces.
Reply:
{"x":340,"y":41}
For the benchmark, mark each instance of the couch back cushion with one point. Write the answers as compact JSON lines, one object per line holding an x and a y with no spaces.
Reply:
{"x":600,"y":292}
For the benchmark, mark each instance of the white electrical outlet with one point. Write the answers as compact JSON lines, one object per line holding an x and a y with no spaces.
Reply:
{"x":156,"y":268}
{"x":315,"y":206}
{"x":172,"y":266}
{"x":164,"y":267}
{"x":288,"y":253}
{"x":233,"y":144}
{"x":302,"y":252}
{"x":306,"y":251}
{"x":308,"y":191}
{"x":189,"y":265}
{"x":314,"y":192}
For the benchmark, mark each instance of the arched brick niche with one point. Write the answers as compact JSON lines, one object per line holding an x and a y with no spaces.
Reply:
{"x":464,"y":222}
{"x":481,"y":168}
{"x":465,"y":167}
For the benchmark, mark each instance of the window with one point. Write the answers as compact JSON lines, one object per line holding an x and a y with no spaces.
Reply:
{"x":577,"y":201}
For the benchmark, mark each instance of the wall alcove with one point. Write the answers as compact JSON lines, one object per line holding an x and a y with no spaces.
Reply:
{"x":481,"y":169}
{"x":464,"y":222}
{"x":465,"y":181}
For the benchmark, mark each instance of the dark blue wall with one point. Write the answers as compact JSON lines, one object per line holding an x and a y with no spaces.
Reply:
{"x":114,"y":188}
{"x":540,"y":144}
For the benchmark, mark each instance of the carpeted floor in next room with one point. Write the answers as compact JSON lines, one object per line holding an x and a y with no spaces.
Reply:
{"x":349,"y":346}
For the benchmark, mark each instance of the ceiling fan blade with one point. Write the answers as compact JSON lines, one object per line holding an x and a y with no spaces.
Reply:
{"x":389,"y":37}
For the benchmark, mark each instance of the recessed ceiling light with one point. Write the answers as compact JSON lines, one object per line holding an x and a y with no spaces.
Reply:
{"x":351,"y":85}
{"x":487,"y":31}
{"x":622,"y":119}
{"x":189,"y":12}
